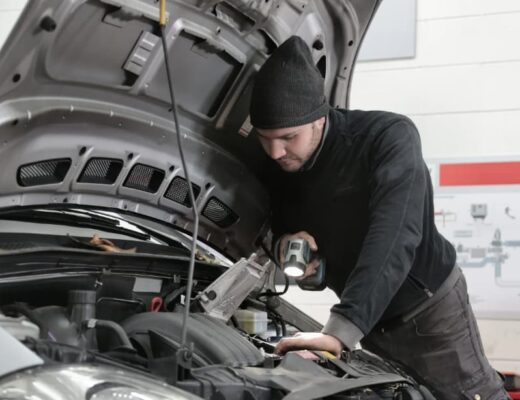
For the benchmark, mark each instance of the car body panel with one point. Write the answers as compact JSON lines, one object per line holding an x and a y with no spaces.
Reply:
{"x":86,"y":86}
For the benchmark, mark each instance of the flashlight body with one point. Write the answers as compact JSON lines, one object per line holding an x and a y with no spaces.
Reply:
{"x":316,"y":281}
{"x":297,"y":256}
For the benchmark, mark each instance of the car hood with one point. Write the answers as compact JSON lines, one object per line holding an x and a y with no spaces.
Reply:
{"x":85,"y":116}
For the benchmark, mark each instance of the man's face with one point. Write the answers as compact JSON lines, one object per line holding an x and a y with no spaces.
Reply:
{"x":292,"y":147}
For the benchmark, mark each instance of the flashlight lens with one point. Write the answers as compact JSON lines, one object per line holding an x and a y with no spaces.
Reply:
{"x":293,"y":271}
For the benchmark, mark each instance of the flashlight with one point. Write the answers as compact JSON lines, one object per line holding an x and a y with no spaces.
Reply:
{"x":296,"y":258}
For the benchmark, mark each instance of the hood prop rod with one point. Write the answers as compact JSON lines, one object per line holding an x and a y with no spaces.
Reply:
{"x":185,"y":352}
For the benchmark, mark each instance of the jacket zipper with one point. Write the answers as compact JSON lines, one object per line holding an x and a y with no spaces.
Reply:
{"x":420,"y":285}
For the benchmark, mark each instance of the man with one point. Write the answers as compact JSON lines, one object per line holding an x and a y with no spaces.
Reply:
{"x":355,"y":186}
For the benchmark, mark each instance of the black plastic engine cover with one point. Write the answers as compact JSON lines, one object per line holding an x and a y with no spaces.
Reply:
{"x":214,"y":342}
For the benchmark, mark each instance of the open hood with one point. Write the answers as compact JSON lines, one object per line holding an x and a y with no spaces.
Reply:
{"x":85,"y":113}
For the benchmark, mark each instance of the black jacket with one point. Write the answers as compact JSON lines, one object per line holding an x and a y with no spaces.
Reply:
{"x":368,"y":202}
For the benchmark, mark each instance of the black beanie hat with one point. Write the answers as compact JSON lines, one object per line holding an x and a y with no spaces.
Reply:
{"x":288,"y":89}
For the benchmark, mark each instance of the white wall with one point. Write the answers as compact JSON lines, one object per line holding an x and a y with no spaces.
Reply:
{"x":463,"y":87}
{"x":9,"y":12}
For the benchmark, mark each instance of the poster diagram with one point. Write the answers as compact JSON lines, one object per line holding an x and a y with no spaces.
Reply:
{"x":483,"y":224}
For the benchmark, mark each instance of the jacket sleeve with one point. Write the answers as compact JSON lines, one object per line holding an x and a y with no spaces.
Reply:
{"x":397,"y":187}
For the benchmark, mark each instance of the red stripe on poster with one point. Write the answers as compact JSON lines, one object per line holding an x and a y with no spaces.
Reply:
{"x":470,"y":174}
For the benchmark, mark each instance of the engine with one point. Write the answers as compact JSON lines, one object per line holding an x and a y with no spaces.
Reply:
{"x":142,"y":333}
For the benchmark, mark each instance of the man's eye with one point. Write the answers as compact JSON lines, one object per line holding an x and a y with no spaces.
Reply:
{"x":290,"y":137}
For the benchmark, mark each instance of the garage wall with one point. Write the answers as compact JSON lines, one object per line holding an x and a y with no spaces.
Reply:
{"x":9,"y":12}
{"x":462,"y":88}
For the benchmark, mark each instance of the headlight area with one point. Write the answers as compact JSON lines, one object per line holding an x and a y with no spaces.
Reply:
{"x":80,"y":382}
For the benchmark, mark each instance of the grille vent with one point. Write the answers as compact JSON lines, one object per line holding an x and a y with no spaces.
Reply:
{"x":178,"y":191}
{"x":43,"y":172}
{"x":103,"y":171}
{"x":219,"y":213}
{"x":145,"y":178}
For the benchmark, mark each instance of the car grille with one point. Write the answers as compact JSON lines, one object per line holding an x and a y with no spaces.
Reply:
{"x":219,"y":213}
{"x":145,"y":178}
{"x":102,"y":171}
{"x":43,"y":172}
{"x":178,"y":191}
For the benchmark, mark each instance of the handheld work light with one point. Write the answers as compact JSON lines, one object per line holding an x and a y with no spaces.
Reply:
{"x":297,"y":256}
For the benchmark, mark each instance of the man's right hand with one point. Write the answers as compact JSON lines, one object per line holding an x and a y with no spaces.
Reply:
{"x":311,"y":267}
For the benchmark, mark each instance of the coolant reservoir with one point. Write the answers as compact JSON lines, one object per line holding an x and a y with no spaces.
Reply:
{"x":252,"y":321}
{"x":19,"y":327}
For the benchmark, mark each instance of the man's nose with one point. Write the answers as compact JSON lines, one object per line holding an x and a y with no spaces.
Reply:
{"x":276,"y":150}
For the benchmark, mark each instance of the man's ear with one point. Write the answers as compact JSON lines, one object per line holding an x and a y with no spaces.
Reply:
{"x":320,"y":122}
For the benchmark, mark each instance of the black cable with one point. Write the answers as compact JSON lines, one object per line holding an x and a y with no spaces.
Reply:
{"x":270,"y":255}
{"x":234,"y":321}
{"x":114,"y":327}
{"x":172,"y":297}
{"x":276,"y":327}
{"x":281,"y":320}
{"x":270,"y":293}
{"x":190,"y":191}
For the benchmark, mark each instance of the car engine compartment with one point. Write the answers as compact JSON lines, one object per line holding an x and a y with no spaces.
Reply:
{"x":134,"y":322}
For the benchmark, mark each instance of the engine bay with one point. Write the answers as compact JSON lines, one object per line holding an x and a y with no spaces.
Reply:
{"x":134,"y":322}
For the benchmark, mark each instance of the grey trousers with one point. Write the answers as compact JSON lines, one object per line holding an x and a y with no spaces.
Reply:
{"x":441,"y":347}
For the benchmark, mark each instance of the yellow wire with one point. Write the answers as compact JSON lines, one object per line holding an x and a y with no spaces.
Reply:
{"x":162,"y":13}
{"x":328,"y":355}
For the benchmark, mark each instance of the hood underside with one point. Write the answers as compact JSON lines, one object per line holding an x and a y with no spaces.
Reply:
{"x":85,"y":116}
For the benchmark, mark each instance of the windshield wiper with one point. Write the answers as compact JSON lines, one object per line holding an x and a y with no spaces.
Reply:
{"x":152,"y":232}
{"x":72,"y":218}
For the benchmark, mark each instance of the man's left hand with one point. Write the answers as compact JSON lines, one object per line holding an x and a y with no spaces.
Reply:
{"x":310,"y":341}
{"x":310,"y":269}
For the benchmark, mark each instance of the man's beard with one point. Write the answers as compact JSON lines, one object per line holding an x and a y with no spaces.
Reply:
{"x":290,"y":164}
{"x":294,"y":164}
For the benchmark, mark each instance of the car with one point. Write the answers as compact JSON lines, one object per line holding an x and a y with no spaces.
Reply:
{"x":102,"y":292}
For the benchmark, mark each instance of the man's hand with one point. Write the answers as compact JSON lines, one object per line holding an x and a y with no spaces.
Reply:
{"x":310,"y":341}
{"x":298,"y":235}
{"x":310,"y":268}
